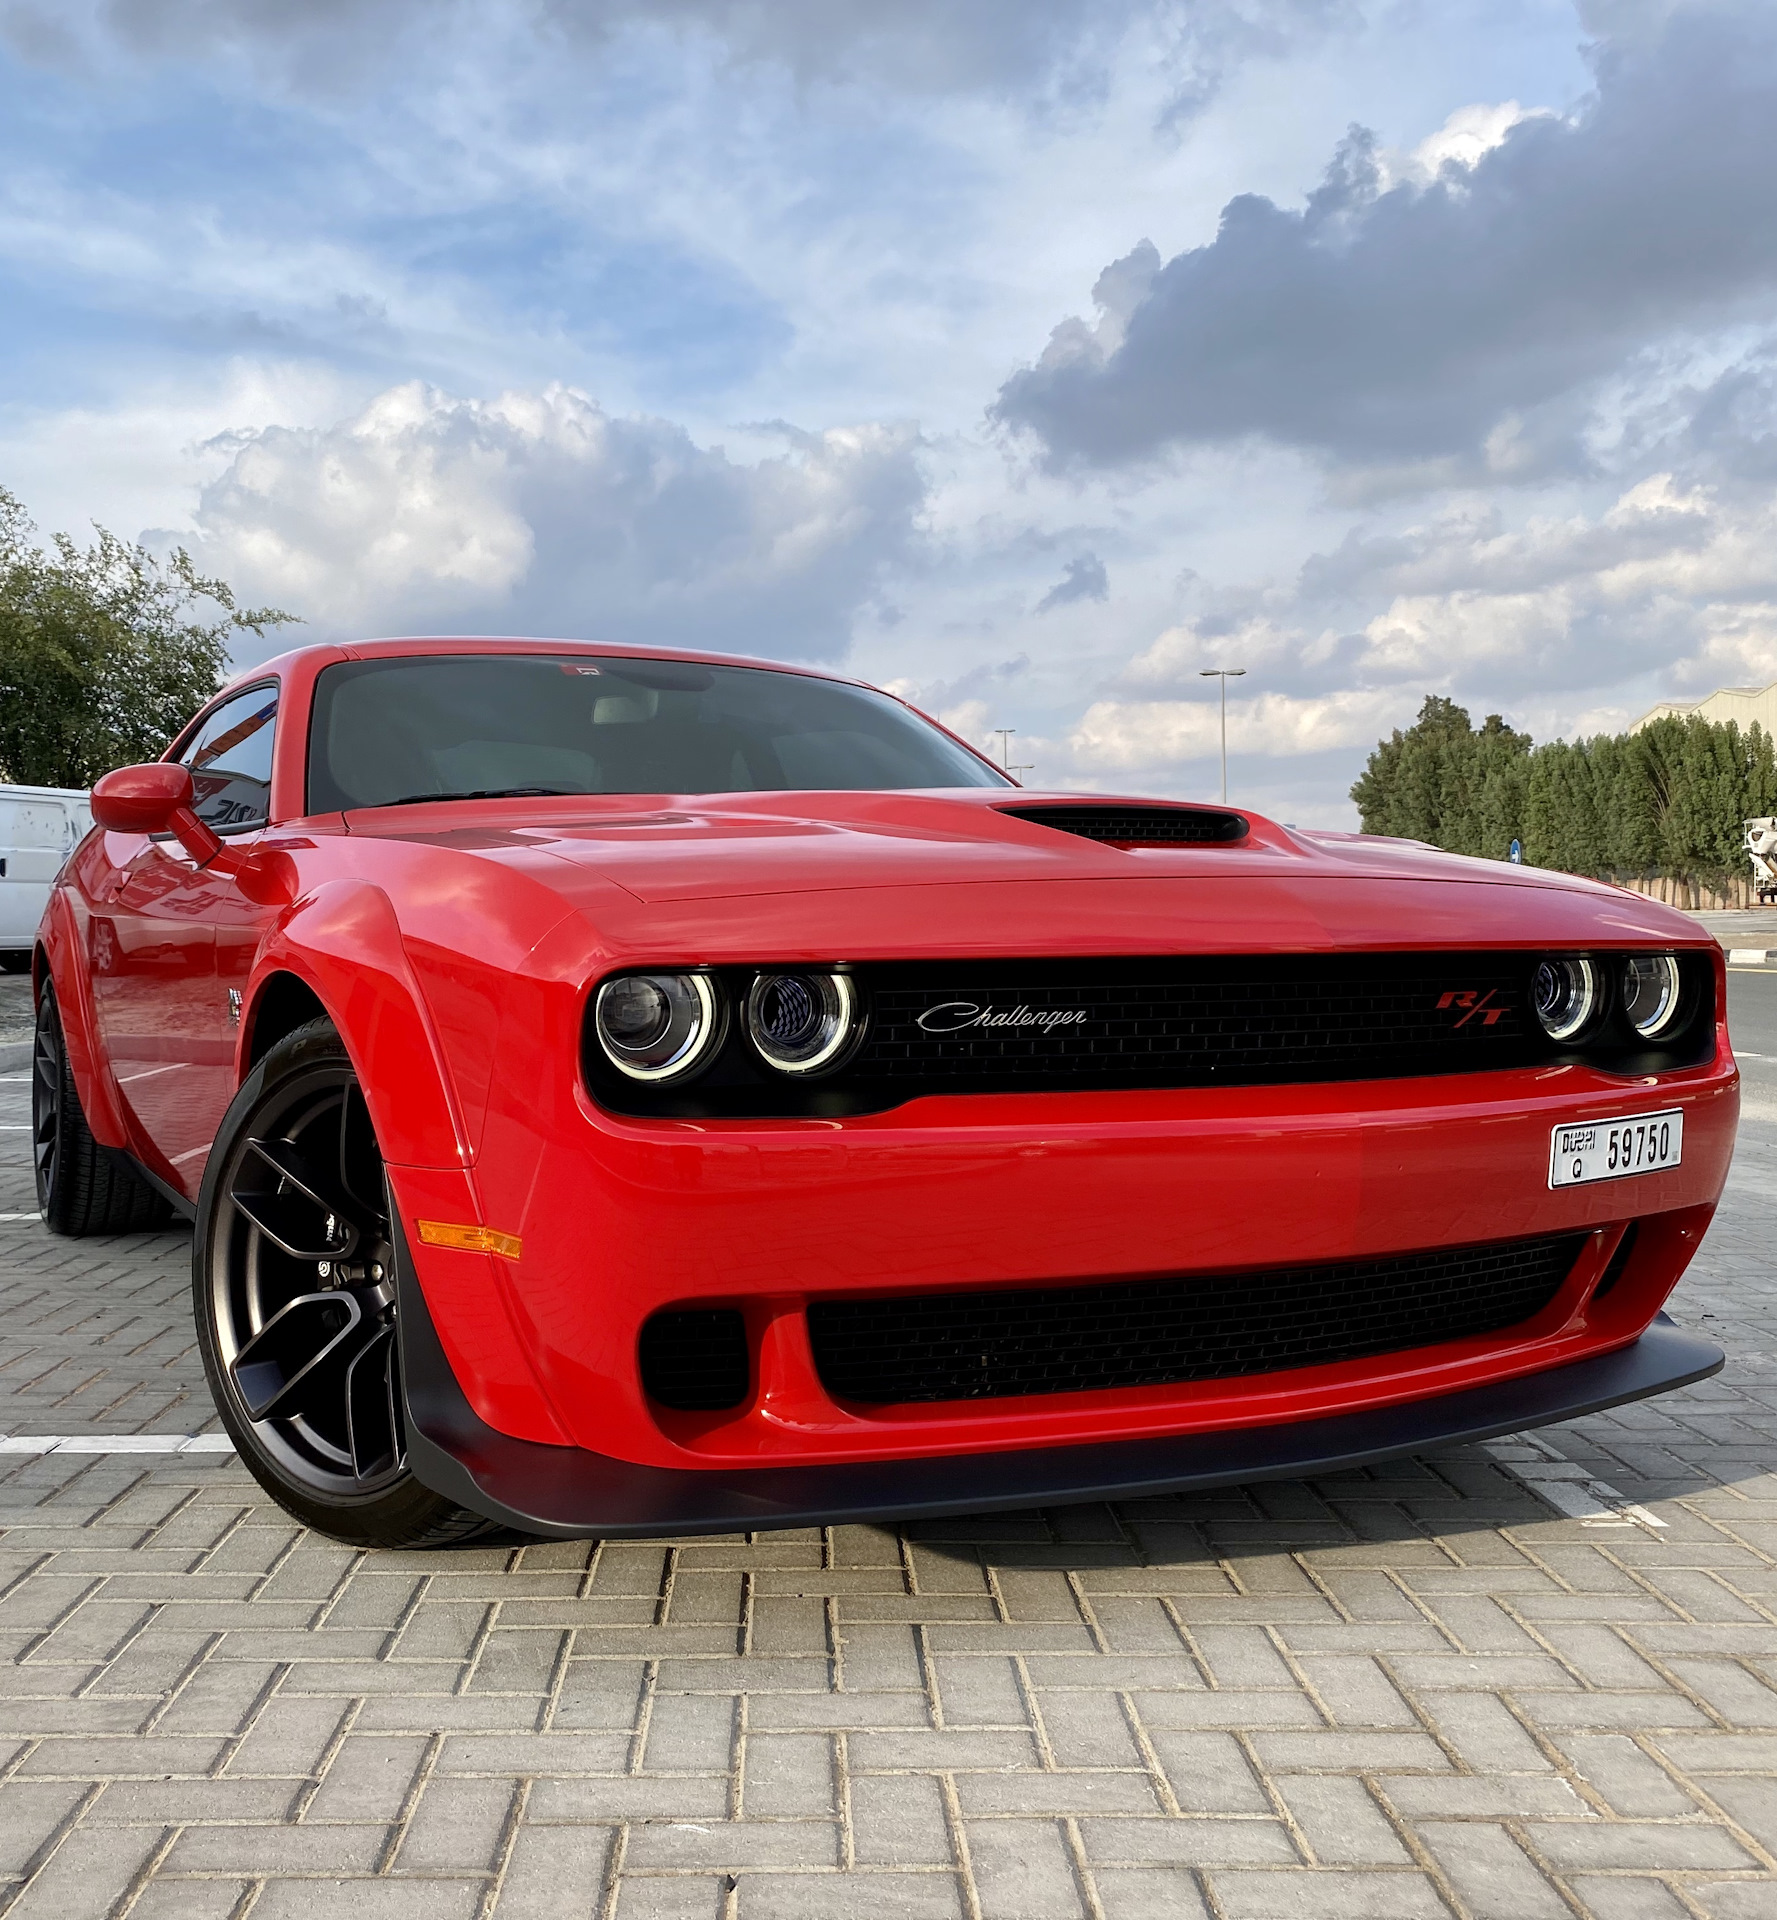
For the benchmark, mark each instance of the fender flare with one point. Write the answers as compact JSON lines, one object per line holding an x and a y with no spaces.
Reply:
{"x":344,"y":943}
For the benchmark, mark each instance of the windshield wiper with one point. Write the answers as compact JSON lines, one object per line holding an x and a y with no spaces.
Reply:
{"x":477,"y":793}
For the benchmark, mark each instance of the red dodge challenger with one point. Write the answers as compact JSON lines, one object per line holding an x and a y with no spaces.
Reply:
{"x":621,"y":1091}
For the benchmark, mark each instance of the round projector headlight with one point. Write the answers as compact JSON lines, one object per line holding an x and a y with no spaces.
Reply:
{"x":1650,"y":992}
{"x":657,"y":1026}
{"x":803,"y":1022}
{"x":1565,"y":996}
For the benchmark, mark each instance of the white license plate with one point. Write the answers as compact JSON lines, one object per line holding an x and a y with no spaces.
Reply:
{"x":1613,"y":1149}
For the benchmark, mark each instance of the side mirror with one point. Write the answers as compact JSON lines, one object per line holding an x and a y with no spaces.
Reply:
{"x":142,"y":799}
{"x":158,"y":798}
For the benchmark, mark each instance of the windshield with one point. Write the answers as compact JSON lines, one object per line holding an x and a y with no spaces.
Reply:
{"x":477,"y":725}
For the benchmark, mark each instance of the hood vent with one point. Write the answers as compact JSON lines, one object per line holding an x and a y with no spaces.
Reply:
{"x":1139,"y":826}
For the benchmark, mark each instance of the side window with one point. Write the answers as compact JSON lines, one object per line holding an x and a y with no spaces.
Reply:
{"x":230,"y":761}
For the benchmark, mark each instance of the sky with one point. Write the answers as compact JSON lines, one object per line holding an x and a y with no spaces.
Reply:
{"x":1025,"y":358}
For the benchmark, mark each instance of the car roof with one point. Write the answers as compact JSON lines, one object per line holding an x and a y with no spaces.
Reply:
{"x":420,"y":645}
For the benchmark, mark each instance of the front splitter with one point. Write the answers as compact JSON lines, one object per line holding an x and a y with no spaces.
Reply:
{"x":570,"y":1493}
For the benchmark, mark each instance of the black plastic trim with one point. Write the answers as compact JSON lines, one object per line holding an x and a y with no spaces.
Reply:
{"x":570,"y":1493}
{"x":1138,"y":825}
{"x":185,"y":1209}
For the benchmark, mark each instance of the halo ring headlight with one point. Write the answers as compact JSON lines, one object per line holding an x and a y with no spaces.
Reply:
{"x":1565,"y":996}
{"x":1651,"y":992}
{"x":804,"y":1022}
{"x":656,"y":1027}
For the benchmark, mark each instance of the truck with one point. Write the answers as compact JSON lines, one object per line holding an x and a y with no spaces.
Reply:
{"x":1761,"y":850}
{"x":39,"y":828}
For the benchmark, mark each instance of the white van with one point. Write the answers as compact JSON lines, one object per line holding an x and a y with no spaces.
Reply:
{"x":39,"y":828}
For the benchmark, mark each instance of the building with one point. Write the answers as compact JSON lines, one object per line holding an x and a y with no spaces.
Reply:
{"x":1744,"y":704}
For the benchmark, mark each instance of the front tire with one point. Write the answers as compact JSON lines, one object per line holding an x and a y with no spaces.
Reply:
{"x":293,"y":1283}
{"x":81,"y":1189}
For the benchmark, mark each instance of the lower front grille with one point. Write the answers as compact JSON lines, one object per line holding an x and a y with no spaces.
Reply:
{"x":695,"y":1359}
{"x":1003,"y":1343}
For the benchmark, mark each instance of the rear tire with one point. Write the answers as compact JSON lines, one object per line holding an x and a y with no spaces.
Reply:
{"x":81,"y":1188}
{"x":15,"y":960}
{"x":293,"y":1288}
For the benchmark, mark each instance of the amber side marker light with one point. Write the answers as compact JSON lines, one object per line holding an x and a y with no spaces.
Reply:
{"x":437,"y":1233}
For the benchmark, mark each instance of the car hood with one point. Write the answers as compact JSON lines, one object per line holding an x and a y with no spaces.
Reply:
{"x":802,"y":868}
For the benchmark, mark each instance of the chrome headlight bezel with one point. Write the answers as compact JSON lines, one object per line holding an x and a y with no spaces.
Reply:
{"x":1565,"y":996}
{"x":696,"y":1015}
{"x":833,"y":1019}
{"x":1660,"y":972}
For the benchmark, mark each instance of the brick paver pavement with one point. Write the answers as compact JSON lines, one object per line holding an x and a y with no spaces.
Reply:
{"x":1419,"y":1690}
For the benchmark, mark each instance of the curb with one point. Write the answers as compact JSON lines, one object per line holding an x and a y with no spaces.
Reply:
{"x":1737,"y":957}
{"x":14,"y":1053}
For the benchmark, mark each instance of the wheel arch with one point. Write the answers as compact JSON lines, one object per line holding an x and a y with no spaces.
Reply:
{"x":339,"y":953}
{"x":58,"y":963}
{"x":282,"y":1002}
{"x":340,"y":950}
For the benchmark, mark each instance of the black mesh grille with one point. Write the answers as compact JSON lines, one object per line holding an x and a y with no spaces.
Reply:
{"x":695,"y":1359}
{"x":973,"y":1346}
{"x":1020,"y":1025}
{"x":1139,"y":826}
{"x":1245,"y":1019}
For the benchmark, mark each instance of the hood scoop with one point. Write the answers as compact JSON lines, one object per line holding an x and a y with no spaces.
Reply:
{"x":1127,"y":826}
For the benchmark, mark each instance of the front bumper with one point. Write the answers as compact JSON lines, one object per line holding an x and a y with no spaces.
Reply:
{"x":573,"y":1493}
{"x":619,"y":1219}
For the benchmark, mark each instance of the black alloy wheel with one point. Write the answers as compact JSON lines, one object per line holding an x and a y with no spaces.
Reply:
{"x":293,"y":1276}
{"x":81,"y":1188}
{"x":46,"y":1103}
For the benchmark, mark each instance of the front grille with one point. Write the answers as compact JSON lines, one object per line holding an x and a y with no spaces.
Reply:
{"x":1139,"y":826}
{"x":1162,"y":1020}
{"x":695,"y":1359}
{"x":1241,"y":1020}
{"x":1004,"y":1343}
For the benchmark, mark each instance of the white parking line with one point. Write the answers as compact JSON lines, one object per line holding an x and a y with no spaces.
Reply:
{"x":1566,"y":1485}
{"x":21,"y":1216}
{"x":116,"y":1443}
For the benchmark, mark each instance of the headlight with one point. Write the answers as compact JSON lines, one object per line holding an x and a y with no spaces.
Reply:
{"x":802,"y":1022}
{"x":657,"y":1026}
{"x":1650,"y":992}
{"x":1565,"y":996}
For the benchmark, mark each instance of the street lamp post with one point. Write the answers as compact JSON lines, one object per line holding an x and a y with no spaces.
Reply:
{"x":1006,"y":762}
{"x":1223,"y":674}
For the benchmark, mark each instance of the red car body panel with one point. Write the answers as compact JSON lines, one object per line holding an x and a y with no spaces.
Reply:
{"x":455,"y":946}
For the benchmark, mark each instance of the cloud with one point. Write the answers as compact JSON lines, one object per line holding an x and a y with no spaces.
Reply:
{"x":1125,"y":735}
{"x":1083,"y":578}
{"x":1463,"y":141}
{"x":1669,"y":578}
{"x":1004,"y":47}
{"x":1415,"y":320}
{"x":539,"y":512}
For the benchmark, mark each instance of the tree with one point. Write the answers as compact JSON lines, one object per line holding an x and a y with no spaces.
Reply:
{"x":103,"y":655}
{"x":1670,"y":800}
{"x":1444,"y":782}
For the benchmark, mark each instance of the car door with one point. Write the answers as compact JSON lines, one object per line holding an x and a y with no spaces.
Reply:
{"x":167,"y":1018}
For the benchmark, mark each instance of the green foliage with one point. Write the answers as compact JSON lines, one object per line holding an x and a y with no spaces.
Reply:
{"x":1670,"y":801}
{"x":1445,"y":782}
{"x":102,"y":656}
